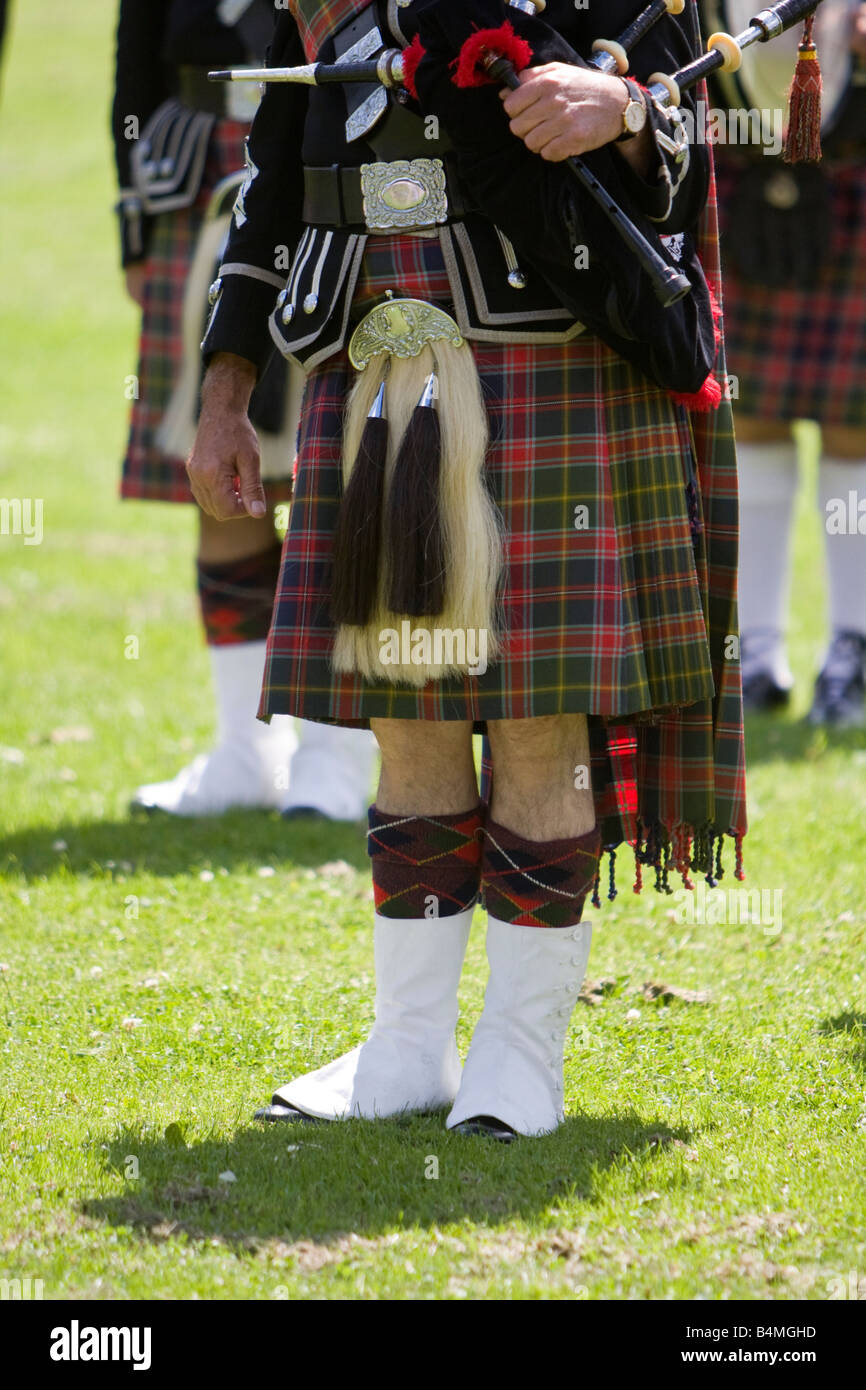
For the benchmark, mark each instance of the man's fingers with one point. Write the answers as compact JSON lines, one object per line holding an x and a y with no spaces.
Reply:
{"x":535,"y":84}
{"x":524,"y":96}
{"x":541,"y":135}
{"x":250,"y":485}
{"x":215,"y":490}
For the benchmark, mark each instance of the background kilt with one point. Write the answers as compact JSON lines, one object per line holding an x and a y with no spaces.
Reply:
{"x":609,"y":619}
{"x":800,"y":353}
{"x":148,"y":472}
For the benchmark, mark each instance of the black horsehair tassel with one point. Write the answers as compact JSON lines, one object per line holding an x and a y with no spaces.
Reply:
{"x":413,"y":520}
{"x":359,"y":524}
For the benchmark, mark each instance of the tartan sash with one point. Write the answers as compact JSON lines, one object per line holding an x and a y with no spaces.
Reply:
{"x":318,"y":19}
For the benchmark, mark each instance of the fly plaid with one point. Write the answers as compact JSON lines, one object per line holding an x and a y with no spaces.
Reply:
{"x":799,"y":352}
{"x":620,"y":515}
{"x":148,"y":472}
{"x":318,"y":19}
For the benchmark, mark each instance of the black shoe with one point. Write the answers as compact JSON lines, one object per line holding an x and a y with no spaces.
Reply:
{"x":840,"y":690}
{"x":760,"y":692}
{"x":278,"y":1110}
{"x":304,"y":813}
{"x":759,"y":651}
{"x":489,"y":1126}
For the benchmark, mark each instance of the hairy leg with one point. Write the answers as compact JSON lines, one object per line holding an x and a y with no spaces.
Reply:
{"x":750,"y":430}
{"x":221,"y":542}
{"x":427,"y":767}
{"x":542,"y":787}
{"x":844,"y":442}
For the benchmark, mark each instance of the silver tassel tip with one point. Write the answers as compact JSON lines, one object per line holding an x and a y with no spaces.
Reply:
{"x":430,"y":394}
{"x":377,"y":409}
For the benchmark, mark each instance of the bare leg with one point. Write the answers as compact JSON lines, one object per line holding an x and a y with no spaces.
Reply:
{"x":750,"y":430}
{"x":221,"y":542}
{"x":427,"y":767}
{"x":541,"y":784}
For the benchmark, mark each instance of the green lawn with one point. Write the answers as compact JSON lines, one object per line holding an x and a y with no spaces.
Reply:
{"x":159,"y":978}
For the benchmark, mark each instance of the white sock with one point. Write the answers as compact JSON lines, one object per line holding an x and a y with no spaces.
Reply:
{"x":841,"y":487}
{"x":768,"y":487}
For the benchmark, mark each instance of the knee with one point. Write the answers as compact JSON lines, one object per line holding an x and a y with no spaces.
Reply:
{"x":420,"y":742}
{"x":523,"y":746}
{"x":749,"y":429}
{"x":843,"y":442}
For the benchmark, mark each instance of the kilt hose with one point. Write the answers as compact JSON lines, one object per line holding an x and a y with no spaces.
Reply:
{"x":619,"y":596}
{"x":148,"y":472}
{"x":799,"y":353}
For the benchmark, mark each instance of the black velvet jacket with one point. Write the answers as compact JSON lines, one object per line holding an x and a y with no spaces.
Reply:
{"x":155,"y":38}
{"x":509,"y":194}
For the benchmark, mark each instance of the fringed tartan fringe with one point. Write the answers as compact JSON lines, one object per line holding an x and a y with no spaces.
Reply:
{"x":679,"y":851}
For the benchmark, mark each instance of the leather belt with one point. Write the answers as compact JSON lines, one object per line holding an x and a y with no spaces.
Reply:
{"x":403,"y":195}
{"x":235,"y":101}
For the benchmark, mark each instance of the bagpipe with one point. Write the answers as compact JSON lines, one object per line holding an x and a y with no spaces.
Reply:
{"x":418,"y":534}
{"x":393,"y":68}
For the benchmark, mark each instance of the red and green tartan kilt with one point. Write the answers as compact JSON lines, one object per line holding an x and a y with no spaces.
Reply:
{"x":608,"y":618}
{"x":800,"y":353}
{"x":148,"y":472}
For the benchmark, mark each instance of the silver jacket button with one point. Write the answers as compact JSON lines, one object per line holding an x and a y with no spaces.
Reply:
{"x":288,"y":313}
{"x":310,"y":303}
{"x":215,"y":290}
{"x":517,"y":279}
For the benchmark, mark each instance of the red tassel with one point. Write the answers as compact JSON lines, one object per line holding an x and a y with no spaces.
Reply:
{"x":803,"y":137}
{"x":411,"y":58}
{"x":710,"y":395}
{"x":708,"y":398}
{"x":501,"y":43}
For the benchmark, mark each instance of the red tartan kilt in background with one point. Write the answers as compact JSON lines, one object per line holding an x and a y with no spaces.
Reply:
{"x":606,"y":619}
{"x":149,"y":473}
{"x":800,"y":353}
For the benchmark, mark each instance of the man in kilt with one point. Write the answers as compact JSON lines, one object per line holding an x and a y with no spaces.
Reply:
{"x":517,"y":452}
{"x":178,"y":142}
{"x":794,"y":259}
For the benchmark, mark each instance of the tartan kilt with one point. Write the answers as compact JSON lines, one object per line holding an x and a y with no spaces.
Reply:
{"x":148,"y":472}
{"x":799,"y":353}
{"x":608,"y":618}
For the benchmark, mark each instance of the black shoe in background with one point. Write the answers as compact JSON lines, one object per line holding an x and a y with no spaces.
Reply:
{"x":759,"y":654}
{"x":840,"y":690}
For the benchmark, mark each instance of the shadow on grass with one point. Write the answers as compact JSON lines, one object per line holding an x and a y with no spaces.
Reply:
{"x":853,"y":1027}
{"x":166,"y":845}
{"x":778,"y":738}
{"x":320,"y":1182}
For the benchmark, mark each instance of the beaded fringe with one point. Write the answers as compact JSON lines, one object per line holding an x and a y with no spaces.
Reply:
{"x":679,"y":851}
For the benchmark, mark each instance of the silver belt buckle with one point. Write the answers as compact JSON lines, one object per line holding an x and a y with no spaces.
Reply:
{"x":242,"y":100}
{"x":404,"y":194}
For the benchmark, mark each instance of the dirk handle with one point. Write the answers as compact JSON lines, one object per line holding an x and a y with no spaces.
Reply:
{"x":387,"y":69}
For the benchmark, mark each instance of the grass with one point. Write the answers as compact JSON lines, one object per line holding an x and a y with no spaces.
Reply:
{"x":161,"y":978}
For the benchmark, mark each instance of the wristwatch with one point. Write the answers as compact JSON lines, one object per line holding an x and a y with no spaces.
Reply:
{"x":634,"y":115}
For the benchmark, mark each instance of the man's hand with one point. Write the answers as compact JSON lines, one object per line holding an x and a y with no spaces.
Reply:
{"x":560,"y":110}
{"x":858,"y":32}
{"x":224,"y":468}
